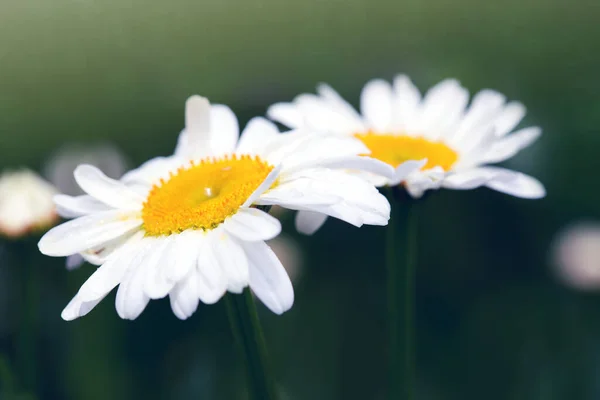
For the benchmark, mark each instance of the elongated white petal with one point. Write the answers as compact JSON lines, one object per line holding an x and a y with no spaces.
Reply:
{"x":107,"y":190}
{"x":263,"y":187}
{"x":442,"y":108}
{"x":468,"y":179}
{"x":510,"y":145}
{"x":257,"y":133}
{"x":164,"y":257}
{"x":232,"y":260}
{"x":183,"y":254}
{"x":358,"y":163}
{"x":308,"y":222}
{"x":324,"y":116}
{"x":485,"y":107}
{"x":376,"y":103}
{"x":78,"y":308}
{"x":196,"y":141}
{"x":268,"y":278}
{"x":87,"y":232}
{"x":184,"y":297}
{"x":252,"y":224}
{"x":224,"y":130}
{"x":111,"y":273}
{"x":211,"y":280}
{"x":406,"y":104}
{"x":287,"y":114}
{"x":131,"y":299}
{"x":153,"y":171}
{"x":515,"y":184}
{"x":99,"y":255}
{"x":77,"y":206}
{"x":336,"y":101}
{"x":405,"y":169}
{"x":510,"y":117}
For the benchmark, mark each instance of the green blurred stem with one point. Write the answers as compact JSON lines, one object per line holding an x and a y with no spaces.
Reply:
{"x":7,"y":380}
{"x":25,"y":250}
{"x":401,"y":252}
{"x":248,"y":333}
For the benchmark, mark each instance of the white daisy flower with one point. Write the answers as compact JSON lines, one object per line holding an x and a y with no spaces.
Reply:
{"x":433,"y":141}
{"x":184,"y":225}
{"x":25,"y":203}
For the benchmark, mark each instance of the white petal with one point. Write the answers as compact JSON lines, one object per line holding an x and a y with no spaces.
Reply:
{"x":405,"y":169}
{"x":336,"y":101}
{"x":268,"y":279}
{"x":183,"y":255}
{"x":107,"y":190}
{"x":232,"y":260}
{"x":156,"y":285}
{"x":252,"y":224}
{"x":358,"y":163}
{"x":442,"y":107}
{"x":111,"y":273}
{"x":376,"y":104}
{"x":303,"y":150}
{"x":153,"y":170}
{"x":78,"y":308}
{"x":224,"y":130}
{"x":485,"y":107}
{"x":406,"y":105}
{"x":287,"y":114}
{"x":257,"y":133}
{"x":131,"y":299}
{"x":323,"y":116}
{"x":516,"y":184}
{"x":99,"y":255}
{"x":184,"y":297}
{"x":468,"y":179}
{"x":77,"y":206}
{"x":308,"y":222}
{"x":510,"y":145}
{"x":510,"y":117}
{"x":211,"y":281}
{"x":197,"y":128}
{"x":263,"y":187}
{"x":87,"y":232}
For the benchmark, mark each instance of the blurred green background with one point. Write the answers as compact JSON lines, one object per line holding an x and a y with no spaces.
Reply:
{"x":493,"y":321}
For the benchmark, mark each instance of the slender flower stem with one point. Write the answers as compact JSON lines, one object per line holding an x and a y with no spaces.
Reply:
{"x":248,"y":333}
{"x":26,"y":342}
{"x":401,"y":251}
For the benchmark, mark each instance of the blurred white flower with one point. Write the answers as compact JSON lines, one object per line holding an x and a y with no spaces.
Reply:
{"x":25,"y":203}
{"x":60,"y":166}
{"x":576,"y":255}
{"x":433,"y":141}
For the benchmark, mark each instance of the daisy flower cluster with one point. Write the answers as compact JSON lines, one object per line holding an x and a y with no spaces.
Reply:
{"x":193,"y":226}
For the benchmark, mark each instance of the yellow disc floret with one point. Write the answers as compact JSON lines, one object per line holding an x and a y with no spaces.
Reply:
{"x":203,"y":194}
{"x":396,"y":149}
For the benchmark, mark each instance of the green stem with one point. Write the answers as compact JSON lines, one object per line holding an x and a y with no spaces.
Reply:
{"x":401,"y":252}
{"x":248,"y":333}
{"x":7,"y":380}
{"x":26,"y":342}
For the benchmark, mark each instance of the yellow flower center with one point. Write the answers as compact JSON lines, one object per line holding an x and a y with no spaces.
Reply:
{"x":396,"y":149}
{"x":202,"y":195}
